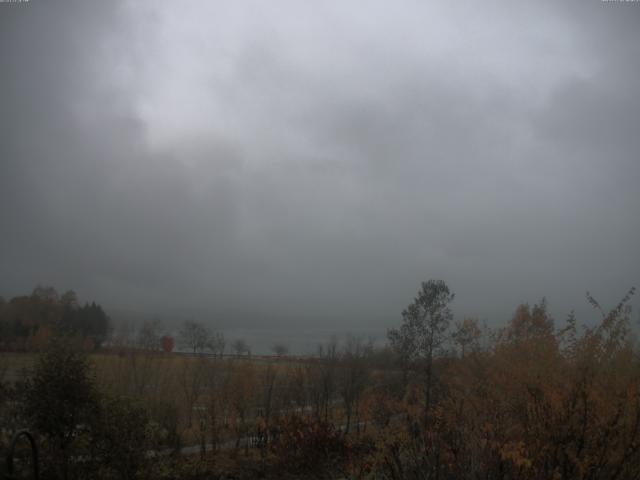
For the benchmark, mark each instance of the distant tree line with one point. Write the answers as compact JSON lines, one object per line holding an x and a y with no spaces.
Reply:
{"x":28,"y":321}
{"x":151,"y":336}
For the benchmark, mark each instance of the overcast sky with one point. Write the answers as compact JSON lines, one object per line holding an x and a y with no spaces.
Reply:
{"x":310,"y":163}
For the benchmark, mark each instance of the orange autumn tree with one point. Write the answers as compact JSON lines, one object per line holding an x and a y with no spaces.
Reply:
{"x":540,"y":403}
{"x":167,"y":343}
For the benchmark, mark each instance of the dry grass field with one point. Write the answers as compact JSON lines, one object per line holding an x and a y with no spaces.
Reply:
{"x":14,"y":366}
{"x":205,"y":399}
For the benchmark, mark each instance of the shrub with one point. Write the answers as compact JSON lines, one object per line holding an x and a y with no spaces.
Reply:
{"x":308,"y":446}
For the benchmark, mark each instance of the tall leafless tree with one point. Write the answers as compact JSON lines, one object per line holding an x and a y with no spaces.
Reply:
{"x":423,"y":332}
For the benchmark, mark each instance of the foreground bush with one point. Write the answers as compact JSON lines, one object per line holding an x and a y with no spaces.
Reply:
{"x":83,"y":433}
{"x":304,"y":445}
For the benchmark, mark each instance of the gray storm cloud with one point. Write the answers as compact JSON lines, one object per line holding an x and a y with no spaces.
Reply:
{"x":313,"y":163}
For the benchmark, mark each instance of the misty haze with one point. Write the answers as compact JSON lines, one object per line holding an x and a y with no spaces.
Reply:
{"x":367,"y":239}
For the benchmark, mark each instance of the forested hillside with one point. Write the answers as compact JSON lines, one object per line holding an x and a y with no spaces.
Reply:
{"x":27,"y":322}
